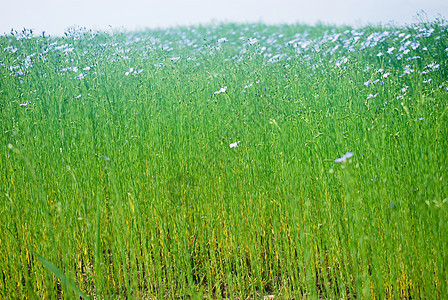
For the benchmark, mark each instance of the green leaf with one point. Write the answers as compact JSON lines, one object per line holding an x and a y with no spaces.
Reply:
{"x":60,"y":275}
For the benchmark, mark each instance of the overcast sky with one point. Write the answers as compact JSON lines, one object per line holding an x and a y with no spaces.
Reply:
{"x":54,"y":16}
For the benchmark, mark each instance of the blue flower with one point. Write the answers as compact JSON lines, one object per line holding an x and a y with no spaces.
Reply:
{"x":344,"y":158}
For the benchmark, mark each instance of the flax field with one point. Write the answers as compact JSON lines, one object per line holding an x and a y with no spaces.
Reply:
{"x":227,"y":161}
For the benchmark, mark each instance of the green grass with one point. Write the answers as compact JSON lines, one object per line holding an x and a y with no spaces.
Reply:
{"x":126,"y":185}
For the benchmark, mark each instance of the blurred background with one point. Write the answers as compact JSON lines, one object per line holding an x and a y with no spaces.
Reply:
{"x":54,"y":16}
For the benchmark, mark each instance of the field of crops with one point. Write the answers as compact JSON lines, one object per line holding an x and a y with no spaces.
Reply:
{"x":236,"y":161}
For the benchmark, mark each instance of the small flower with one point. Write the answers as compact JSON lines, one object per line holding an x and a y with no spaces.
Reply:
{"x":222,"y":90}
{"x":408,"y":69}
{"x":234,"y":145}
{"x":338,"y":160}
{"x":252,"y":41}
{"x":348,"y":154}
{"x":24,"y":104}
{"x":128,"y":72}
{"x":136,"y":72}
{"x":81,"y":76}
{"x":415,"y":45}
{"x":344,"y":158}
{"x":372,"y":96}
{"x":421,"y":119}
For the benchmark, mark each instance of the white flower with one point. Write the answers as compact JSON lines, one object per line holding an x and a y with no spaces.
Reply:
{"x":81,"y":76}
{"x":222,"y":90}
{"x":415,"y":45}
{"x":234,"y":145}
{"x":408,"y":69}
{"x":252,"y":41}
{"x":136,"y":72}
{"x":129,"y":72}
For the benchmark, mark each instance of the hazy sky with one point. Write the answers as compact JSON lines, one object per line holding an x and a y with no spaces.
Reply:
{"x":54,"y":16}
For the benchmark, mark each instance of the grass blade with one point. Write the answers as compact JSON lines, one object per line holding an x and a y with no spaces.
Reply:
{"x":60,"y":275}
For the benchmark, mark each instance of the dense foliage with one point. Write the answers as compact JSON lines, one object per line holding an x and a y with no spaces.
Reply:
{"x":225,"y":161}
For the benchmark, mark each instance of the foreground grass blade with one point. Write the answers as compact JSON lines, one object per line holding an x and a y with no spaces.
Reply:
{"x":60,"y":275}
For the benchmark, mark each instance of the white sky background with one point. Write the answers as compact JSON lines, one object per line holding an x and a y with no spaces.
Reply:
{"x":54,"y":16}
